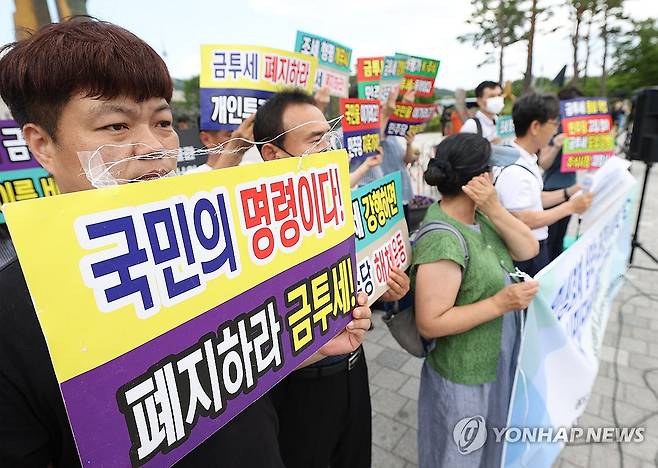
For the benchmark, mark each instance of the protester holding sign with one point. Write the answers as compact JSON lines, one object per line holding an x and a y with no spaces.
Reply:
{"x":110,"y":88}
{"x":324,"y":409}
{"x":490,"y":101}
{"x":475,"y":315}
{"x":520,"y":185}
{"x":550,"y":159}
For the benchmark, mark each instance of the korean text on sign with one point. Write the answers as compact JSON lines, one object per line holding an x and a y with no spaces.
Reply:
{"x":382,"y":237}
{"x":188,"y":297}
{"x":236,"y":80}
{"x":328,"y":52}
{"x":21,"y":176}
{"x":361,"y":126}
{"x":589,"y":140}
{"x":409,"y":117}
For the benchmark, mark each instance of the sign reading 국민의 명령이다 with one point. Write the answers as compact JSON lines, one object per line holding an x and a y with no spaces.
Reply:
{"x":186,"y":298}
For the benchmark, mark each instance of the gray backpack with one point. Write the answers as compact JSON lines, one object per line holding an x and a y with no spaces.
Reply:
{"x":401,"y":320}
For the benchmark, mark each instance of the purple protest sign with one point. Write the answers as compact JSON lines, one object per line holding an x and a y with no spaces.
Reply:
{"x":107,"y":437}
{"x":14,"y":153}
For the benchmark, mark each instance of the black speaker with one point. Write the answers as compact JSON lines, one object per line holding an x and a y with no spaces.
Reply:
{"x":644,"y":139}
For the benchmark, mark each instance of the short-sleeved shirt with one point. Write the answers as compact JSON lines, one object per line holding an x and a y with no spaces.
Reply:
{"x":394,"y":161}
{"x":488,"y":126}
{"x":470,"y":357}
{"x":520,"y":188}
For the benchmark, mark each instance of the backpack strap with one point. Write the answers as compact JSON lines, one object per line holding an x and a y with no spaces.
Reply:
{"x":434,"y":226}
{"x":505,"y":167}
{"x":478,"y":124}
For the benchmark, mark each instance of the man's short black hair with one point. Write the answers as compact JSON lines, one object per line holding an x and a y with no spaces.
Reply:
{"x":531,"y":107}
{"x":268,"y":123}
{"x":479,"y":91}
{"x":570,"y":92}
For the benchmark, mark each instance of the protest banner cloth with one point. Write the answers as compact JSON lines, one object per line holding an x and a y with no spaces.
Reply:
{"x":361,"y":126}
{"x":368,"y":76}
{"x":419,"y":76}
{"x":334,"y":61}
{"x":183,"y":300}
{"x":236,"y":80}
{"x":409,"y":117}
{"x":589,"y":141}
{"x":382,"y":236}
{"x":564,"y":329}
{"x":21,"y":176}
{"x":505,"y":128}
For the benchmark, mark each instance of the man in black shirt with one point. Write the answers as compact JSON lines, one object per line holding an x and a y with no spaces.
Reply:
{"x":73,"y":87}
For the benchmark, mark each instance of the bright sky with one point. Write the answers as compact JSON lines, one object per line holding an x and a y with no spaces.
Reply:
{"x":370,"y":27}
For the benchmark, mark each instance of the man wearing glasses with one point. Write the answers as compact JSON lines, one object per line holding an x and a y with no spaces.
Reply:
{"x":520,"y":185}
{"x":324,"y":408}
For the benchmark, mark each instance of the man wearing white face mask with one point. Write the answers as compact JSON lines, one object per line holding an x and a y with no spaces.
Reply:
{"x":491,"y":102}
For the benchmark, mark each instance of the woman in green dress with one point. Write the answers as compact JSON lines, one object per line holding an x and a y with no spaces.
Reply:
{"x":469,"y":302}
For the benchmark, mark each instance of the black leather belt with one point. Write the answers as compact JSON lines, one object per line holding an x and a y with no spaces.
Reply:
{"x":346,"y":364}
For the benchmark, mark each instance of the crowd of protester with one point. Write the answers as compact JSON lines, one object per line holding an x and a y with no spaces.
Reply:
{"x":111,"y":87}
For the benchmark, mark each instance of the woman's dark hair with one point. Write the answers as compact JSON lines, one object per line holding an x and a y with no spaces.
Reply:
{"x":458,"y":159}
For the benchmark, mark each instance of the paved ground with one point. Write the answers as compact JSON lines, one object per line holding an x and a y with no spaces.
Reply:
{"x":631,"y":336}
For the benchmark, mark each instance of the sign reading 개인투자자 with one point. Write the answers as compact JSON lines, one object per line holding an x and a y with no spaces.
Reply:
{"x":186,"y":298}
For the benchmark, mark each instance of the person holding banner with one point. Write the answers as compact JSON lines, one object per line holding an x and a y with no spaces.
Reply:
{"x":490,"y":101}
{"x":108,"y":89}
{"x":520,"y":185}
{"x":550,"y":159}
{"x":324,"y":409}
{"x":475,"y":316}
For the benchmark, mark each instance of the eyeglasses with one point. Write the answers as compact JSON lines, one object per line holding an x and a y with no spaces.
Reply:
{"x":555,"y":122}
{"x":328,"y":142}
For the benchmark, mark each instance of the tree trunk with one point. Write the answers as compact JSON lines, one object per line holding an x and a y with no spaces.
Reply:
{"x":588,"y":45}
{"x":604,"y":65}
{"x":527,"y":79}
{"x":575,"y":41}
{"x":500,"y":64}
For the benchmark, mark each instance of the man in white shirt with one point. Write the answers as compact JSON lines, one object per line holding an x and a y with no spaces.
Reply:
{"x":520,"y":185}
{"x":490,"y":101}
